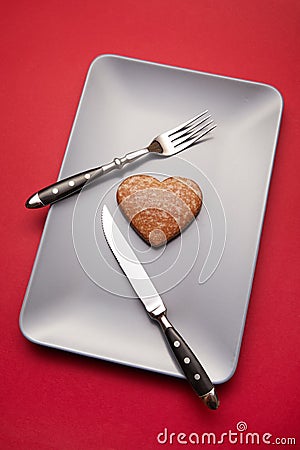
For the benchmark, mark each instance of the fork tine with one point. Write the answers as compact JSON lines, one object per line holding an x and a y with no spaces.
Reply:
{"x":195,"y":133}
{"x":185,"y":124}
{"x":188,"y":131}
{"x":189,"y":142}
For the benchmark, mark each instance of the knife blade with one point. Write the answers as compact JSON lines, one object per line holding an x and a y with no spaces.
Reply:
{"x":146,"y":291}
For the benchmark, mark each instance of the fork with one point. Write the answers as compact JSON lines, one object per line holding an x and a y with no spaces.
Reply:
{"x":166,"y":144}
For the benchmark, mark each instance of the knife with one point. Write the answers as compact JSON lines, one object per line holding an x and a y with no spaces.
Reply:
{"x":145,"y":290}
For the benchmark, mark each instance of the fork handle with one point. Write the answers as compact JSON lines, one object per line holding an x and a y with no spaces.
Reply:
{"x":68,"y":186}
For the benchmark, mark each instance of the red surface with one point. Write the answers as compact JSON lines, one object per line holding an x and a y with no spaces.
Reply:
{"x":55,"y":400}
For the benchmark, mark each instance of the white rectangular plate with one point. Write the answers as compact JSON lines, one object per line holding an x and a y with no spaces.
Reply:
{"x":78,"y":299}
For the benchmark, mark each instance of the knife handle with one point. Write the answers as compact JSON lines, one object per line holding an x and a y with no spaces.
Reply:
{"x":190,"y":365}
{"x":68,"y":186}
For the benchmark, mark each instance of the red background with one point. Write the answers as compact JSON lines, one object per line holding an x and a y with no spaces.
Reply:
{"x":55,"y":400}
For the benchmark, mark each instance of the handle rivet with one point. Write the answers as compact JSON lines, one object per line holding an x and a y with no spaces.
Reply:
{"x":71,"y":183}
{"x":176,"y":343}
{"x":87,"y":176}
{"x":55,"y":191}
{"x":186,"y":360}
{"x":118,"y":163}
{"x":197,"y":376}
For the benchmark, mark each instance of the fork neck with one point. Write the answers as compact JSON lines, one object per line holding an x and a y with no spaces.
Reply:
{"x":155,"y":147}
{"x":132,"y":156}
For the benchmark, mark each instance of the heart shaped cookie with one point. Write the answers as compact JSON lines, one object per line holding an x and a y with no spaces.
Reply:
{"x":159,"y":210}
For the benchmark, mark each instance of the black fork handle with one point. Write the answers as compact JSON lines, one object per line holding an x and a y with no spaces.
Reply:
{"x":68,"y":186}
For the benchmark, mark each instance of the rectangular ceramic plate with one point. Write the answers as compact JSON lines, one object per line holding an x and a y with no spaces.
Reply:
{"x":78,"y":299}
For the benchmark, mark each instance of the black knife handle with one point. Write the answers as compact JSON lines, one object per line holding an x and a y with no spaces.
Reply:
{"x":190,"y":365}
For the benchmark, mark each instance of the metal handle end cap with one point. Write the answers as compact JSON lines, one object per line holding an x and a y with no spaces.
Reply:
{"x":211,"y":399}
{"x":34,"y":202}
